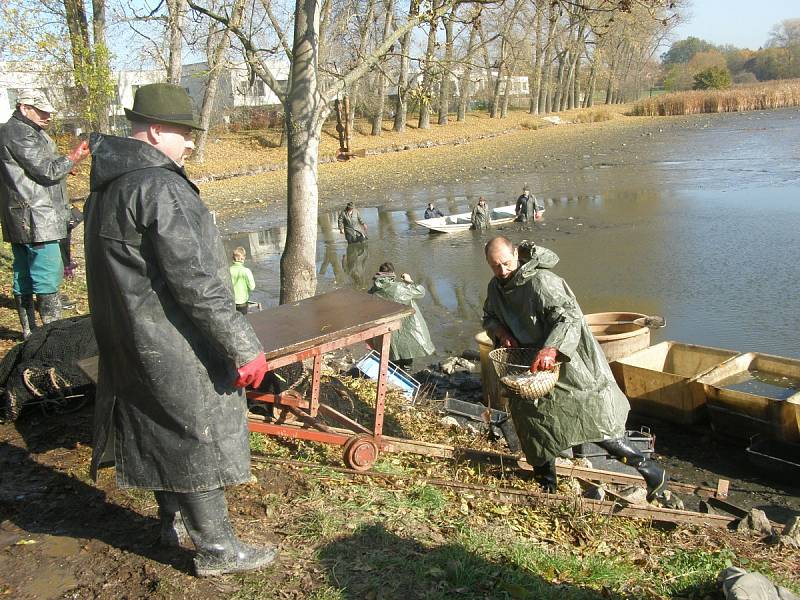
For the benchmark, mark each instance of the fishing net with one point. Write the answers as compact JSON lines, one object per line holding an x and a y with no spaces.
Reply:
{"x":42,"y":370}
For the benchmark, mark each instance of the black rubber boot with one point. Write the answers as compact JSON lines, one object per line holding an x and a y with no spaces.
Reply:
{"x":545,"y":476}
{"x":219,"y":551}
{"x":173,"y":532}
{"x":49,"y":306}
{"x":26,"y":312}
{"x":654,"y":476}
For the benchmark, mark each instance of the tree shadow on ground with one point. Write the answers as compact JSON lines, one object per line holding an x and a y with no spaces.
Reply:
{"x":375,"y":563}
{"x":40,"y":499}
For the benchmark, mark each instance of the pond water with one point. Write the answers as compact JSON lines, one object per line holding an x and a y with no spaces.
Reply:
{"x":698,"y":224}
{"x":759,"y":383}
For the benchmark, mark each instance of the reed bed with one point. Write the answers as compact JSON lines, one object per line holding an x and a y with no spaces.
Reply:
{"x":761,"y":96}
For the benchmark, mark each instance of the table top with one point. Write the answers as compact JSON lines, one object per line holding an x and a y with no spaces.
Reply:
{"x":321,"y":319}
{"x":311,"y":322}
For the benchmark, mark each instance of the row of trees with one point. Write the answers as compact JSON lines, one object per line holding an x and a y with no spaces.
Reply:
{"x":693,"y":62}
{"x":567,"y":49}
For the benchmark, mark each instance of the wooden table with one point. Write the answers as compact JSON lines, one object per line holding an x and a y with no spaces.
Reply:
{"x":308,"y":329}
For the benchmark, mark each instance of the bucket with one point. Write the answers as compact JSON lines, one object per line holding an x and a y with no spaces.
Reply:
{"x":618,"y":340}
{"x":489,"y":382}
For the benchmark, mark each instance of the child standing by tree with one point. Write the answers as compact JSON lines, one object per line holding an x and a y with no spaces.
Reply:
{"x":243,"y":282}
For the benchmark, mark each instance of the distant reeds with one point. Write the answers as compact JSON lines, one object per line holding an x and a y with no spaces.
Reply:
{"x":761,"y":96}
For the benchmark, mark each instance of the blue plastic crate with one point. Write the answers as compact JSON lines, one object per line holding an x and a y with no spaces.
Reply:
{"x":370,"y":364}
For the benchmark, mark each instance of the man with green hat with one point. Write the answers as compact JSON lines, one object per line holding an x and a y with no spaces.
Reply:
{"x":34,"y":206}
{"x":174,"y":352}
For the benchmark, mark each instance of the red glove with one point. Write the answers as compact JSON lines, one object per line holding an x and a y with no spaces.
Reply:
{"x":504,"y":337}
{"x":252,"y":373}
{"x":79,"y":152}
{"x":545,"y":359}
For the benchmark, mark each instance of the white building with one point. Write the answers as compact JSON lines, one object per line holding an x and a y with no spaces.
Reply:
{"x":234,"y":89}
{"x":15,"y":76}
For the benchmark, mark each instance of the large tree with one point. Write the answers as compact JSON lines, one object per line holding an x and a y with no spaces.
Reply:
{"x":307,"y":99}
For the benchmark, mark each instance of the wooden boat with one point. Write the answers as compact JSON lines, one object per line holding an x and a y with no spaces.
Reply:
{"x":462,"y":221}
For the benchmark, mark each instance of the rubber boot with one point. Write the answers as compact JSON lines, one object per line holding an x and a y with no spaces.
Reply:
{"x":49,"y":306}
{"x":545,"y":476}
{"x":173,"y":532}
{"x":654,"y":476}
{"x":26,"y":312}
{"x":219,"y":551}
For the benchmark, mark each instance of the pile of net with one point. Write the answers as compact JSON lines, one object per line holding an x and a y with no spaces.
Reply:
{"x":42,"y":370}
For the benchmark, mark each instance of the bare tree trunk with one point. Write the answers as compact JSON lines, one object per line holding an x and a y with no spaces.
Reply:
{"x":447,"y":68}
{"x":506,"y":95}
{"x":175,"y":20}
{"x":612,"y":73}
{"x":355,"y":90}
{"x":304,"y":119}
{"x":535,"y":80}
{"x":380,"y":84}
{"x":216,"y":59}
{"x":588,"y":101}
{"x":427,"y":76}
{"x":560,"y":82}
{"x":465,"y":88}
{"x":401,"y":109}
{"x":547,"y":66}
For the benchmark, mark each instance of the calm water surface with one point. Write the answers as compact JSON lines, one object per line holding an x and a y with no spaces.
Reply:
{"x":699,"y":225}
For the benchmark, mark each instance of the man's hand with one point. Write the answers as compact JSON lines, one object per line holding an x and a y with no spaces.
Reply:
{"x":545,"y":360}
{"x":252,"y":373}
{"x":407,"y":278}
{"x":504,"y":337}
{"x":79,"y":152}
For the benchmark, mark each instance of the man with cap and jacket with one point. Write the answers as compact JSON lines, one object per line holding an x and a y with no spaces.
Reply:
{"x":527,"y":305}
{"x":34,"y":206}
{"x":174,"y":353}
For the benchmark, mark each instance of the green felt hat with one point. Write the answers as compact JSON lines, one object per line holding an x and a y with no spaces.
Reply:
{"x":162,"y":103}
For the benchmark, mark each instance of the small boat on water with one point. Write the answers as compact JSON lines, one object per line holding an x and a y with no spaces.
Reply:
{"x":462,"y":221}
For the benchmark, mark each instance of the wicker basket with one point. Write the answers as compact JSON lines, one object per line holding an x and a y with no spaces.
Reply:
{"x":512,"y":366}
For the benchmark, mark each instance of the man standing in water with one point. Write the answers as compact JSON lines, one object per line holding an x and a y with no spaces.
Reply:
{"x":480,"y":215}
{"x":530,"y":306}
{"x":349,"y":222}
{"x":174,"y":352}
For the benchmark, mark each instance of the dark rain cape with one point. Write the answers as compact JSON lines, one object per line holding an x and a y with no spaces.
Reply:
{"x":412,"y":340}
{"x":539,"y":309}
{"x":169,"y":336}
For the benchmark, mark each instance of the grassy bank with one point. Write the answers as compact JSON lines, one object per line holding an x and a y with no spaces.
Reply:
{"x":763,"y":96}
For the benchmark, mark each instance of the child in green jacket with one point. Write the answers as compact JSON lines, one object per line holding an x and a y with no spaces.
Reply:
{"x":243,"y":282}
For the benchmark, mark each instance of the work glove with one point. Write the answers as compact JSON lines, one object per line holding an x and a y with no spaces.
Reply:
{"x":545,"y":359}
{"x":252,"y":373}
{"x":504,"y":337}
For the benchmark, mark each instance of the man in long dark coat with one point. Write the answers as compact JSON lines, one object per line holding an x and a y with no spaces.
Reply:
{"x":174,"y":352}
{"x":530,"y":306}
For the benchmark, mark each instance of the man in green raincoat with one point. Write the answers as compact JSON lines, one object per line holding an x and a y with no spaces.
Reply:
{"x":412,"y":340}
{"x":530,"y":306}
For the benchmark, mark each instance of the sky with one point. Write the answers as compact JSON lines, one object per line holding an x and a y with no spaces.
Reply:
{"x":743,"y":23}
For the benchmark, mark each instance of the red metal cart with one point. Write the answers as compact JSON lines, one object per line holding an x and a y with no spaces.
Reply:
{"x":308,"y":329}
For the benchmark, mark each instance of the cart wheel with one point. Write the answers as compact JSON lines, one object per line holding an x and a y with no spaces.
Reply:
{"x":360,"y":452}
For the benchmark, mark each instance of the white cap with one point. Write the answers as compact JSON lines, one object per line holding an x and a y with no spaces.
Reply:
{"x":35,"y":98}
